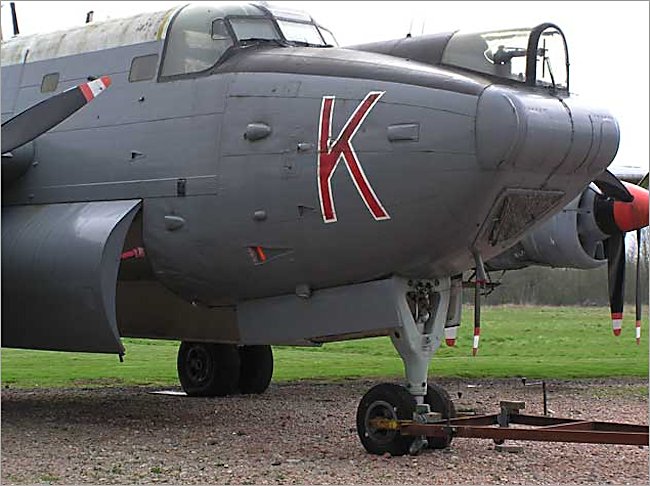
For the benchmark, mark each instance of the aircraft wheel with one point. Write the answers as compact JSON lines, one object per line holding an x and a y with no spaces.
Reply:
{"x":388,"y":401}
{"x":439,"y":401}
{"x":256,"y":368}
{"x":208,"y":369}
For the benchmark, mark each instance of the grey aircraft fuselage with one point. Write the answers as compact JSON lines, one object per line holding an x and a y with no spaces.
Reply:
{"x":228,"y":161}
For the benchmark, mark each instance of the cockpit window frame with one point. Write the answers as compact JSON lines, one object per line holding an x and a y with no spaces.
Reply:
{"x":530,"y":61}
{"x":236,"y":42}
{"x":278,"y":29}
{"x":321,"y":29}
{"x":531,"y":57}
{"x":160,"y":78}
{"x":294,"y":21}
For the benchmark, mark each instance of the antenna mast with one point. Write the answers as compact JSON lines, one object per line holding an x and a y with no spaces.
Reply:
{"x":14,"y":17}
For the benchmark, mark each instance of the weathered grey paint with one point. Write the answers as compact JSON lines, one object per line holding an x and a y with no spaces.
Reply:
{"x":476,"y":142}
{"x":96,"y":36}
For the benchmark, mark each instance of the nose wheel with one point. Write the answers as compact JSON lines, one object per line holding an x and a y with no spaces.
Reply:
{"x":439,"y":401}
{"x":424,"y":311}
{"x":385,"y":401}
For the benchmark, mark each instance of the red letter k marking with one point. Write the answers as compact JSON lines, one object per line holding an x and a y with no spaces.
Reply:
{"x":330,"y":154}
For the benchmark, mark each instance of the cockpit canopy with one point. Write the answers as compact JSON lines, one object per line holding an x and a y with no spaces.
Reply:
{"x":199,"y":35}
{"x":536,"y":57}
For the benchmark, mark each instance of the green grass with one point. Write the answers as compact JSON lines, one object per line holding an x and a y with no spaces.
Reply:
{"x":536,"y":342}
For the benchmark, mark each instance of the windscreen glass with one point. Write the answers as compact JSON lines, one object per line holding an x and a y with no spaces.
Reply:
{"x":299,"y":32}
{"x":329,"y":37}
{"x":254,"y":28}
{"x":501,"y":53}
{"x":195,"y":43}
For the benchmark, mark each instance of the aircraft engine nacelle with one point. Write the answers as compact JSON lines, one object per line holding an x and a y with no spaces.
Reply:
{"x":573,"y":238}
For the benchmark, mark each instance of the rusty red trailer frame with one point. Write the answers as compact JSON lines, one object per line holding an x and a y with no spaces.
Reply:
{"x":541,"y":428}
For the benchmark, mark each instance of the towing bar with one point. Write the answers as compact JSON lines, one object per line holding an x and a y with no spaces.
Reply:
{"x":541,"y":428}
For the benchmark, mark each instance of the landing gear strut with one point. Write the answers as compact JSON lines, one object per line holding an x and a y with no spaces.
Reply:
{"x":423,"y":307}
{"x":217,"y":370}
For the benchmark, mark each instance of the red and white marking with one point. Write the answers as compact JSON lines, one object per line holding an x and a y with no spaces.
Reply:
{"x":617,"y":323}
{"x":638,"y":332}
{"x":94,"y":88}
{"x":477,"y":335}
{"x":450,"y":335}
{"x":331,"y":153}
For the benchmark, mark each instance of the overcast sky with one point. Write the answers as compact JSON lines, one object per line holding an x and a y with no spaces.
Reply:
{"x":608,"y":41}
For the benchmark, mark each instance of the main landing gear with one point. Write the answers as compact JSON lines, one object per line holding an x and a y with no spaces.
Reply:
{"x":216,"y":370}
{"x":424,"y":310}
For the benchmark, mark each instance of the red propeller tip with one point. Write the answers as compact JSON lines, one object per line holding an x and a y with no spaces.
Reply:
{"x":617,"y":332}
{"x":450,"y":342}
{"x":94,"y":88}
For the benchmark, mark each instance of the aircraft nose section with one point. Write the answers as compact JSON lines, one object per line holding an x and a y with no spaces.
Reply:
{"x":541,"y":133}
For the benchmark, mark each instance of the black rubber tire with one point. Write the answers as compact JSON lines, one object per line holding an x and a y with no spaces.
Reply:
{"x":208,"y":369}
{"x":256,"y":368}
{"x":439,"y":401}
{"x":385,"y":400}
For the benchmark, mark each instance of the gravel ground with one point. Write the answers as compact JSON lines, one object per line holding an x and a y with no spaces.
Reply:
{"x":297,"y":433}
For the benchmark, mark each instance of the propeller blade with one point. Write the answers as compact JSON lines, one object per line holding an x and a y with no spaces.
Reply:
{"x":644,"y":182}
{"x":38,"y":119}
{"x":638,"y":288}
{"x":616,"y":278}
{"x":612,"y":187}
